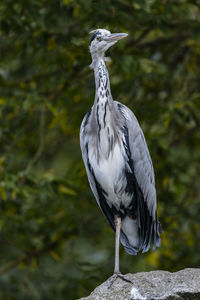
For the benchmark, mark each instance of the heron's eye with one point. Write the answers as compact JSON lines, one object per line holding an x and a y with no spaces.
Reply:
{"x":98,"y":38}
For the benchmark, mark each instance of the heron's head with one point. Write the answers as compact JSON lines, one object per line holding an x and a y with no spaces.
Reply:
{"x":102,"y":39}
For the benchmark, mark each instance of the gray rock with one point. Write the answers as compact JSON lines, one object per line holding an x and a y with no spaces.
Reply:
{"x":164,"y":285}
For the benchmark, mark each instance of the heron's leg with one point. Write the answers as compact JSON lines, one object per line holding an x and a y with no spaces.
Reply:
{"x":117,"y":235}
{"x":117,"y":273}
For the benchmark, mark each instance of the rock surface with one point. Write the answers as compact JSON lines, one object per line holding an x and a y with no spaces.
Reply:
{"x":164,"y":285}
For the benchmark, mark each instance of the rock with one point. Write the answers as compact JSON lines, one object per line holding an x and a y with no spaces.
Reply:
{"x":164,"y":285}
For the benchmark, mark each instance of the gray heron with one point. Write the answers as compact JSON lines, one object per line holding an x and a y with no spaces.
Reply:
{"x":117,"y":161}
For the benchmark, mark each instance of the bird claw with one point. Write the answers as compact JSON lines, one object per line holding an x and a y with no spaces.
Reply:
{"x":118,"y":275}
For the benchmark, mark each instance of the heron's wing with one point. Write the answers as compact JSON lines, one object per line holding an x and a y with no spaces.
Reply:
{"x":95,"y":186}
{"x":143,"y":178}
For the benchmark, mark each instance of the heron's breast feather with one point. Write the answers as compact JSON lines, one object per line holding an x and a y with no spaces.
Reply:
{"x":109,"y":173}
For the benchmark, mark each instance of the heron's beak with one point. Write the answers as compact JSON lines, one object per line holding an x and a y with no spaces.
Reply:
{"x":114,"y":37}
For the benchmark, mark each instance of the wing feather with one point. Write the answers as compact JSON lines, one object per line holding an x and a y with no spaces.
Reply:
{"x":144,"y":180}
{"x":96,"y":188}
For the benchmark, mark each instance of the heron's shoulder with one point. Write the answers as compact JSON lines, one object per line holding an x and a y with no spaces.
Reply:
{"x":88,"y":123}
{"x":86,"y":119}
{"x":127,"y":113}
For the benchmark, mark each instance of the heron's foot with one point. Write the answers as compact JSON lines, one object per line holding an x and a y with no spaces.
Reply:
{"x":118,"y":275}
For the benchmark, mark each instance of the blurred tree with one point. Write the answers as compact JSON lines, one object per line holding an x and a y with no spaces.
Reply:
{"x":55,"y":243}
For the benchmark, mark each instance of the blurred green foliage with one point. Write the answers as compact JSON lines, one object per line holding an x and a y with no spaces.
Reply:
{"x":55,"y":242}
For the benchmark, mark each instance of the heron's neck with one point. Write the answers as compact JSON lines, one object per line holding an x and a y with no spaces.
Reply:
{"x":104,"y":111}
{"x":103,"y":99}
{"x":102,"y":81}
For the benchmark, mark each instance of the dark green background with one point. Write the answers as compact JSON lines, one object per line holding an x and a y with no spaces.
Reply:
{"x":54,"y":241}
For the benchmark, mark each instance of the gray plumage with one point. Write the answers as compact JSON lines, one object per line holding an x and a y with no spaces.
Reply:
{"x":117,"y":159}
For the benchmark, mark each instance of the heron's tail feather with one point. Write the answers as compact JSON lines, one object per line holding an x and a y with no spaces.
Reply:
{"x":129,"y":236}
